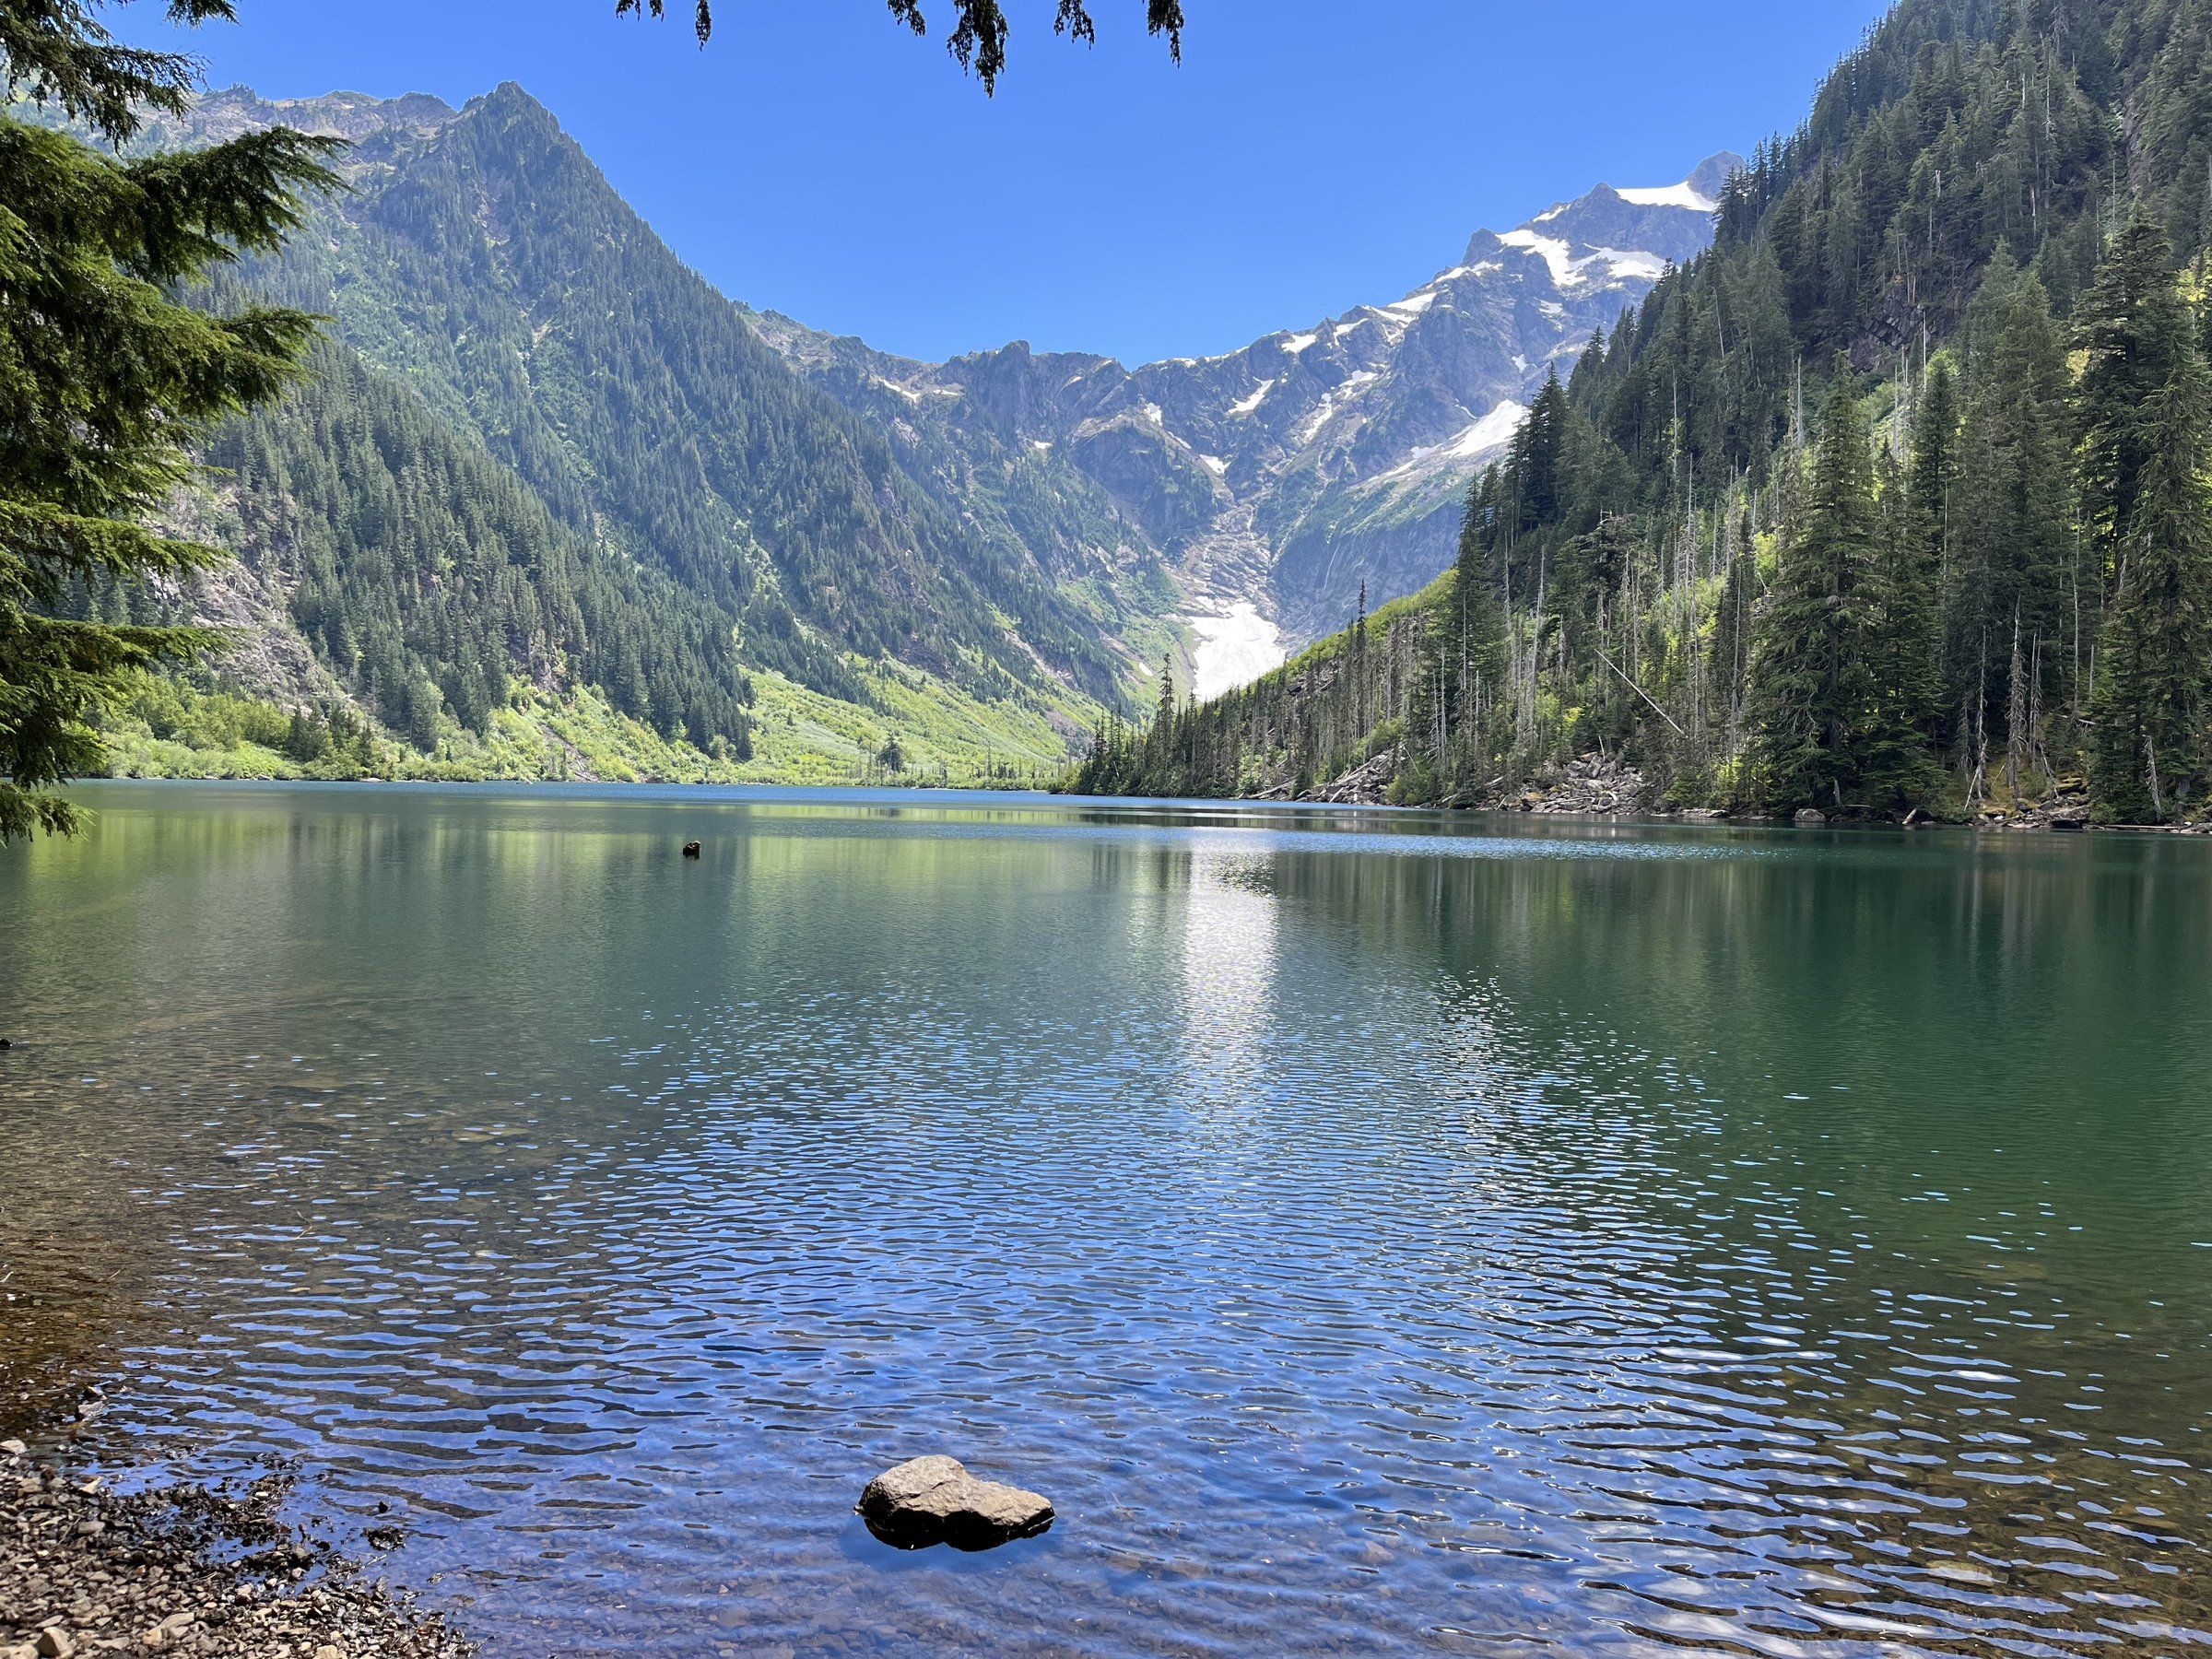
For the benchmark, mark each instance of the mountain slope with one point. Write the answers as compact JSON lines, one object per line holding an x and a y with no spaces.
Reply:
{"x":1017,"y":529}
{"x":479,"y":262}
{"x":1987,"y":239}
{"x":434,"y":578}
{"x":497,"y":260}
{"x":1284,"y":476}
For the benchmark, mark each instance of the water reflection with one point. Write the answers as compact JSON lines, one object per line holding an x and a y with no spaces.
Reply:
{"x":1228,"y":992}
{"x":1376,"y":1232}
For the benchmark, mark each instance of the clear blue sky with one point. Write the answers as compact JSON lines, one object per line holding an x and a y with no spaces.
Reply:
{"x":1309,"y":155}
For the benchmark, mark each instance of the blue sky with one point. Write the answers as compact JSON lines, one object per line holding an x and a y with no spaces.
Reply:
{"x":1309,"y":155}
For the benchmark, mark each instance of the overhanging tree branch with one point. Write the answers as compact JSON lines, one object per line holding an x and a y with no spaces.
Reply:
{"x":978,"y":38}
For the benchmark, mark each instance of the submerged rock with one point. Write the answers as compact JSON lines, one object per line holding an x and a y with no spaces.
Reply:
{"x":1962,"y":1572}
{"x":934,"y":1500}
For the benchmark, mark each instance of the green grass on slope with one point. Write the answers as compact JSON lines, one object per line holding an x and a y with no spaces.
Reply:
{"x":916,"y":729}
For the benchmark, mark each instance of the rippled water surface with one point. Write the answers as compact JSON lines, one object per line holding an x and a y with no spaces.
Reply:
{"x":1377,"y":1233}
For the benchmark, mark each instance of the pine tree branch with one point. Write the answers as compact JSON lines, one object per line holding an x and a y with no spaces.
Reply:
{"x":978,"y":38}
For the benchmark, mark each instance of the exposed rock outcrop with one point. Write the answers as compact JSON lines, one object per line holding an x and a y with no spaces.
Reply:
{"x":1588,"y":783}
{"x":1366,"y":784}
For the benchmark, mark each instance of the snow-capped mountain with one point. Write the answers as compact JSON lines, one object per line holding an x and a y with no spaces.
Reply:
{"x":1275,"y":480}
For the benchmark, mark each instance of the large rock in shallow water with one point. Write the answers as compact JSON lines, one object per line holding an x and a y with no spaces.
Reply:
{"x":934,"y":1500}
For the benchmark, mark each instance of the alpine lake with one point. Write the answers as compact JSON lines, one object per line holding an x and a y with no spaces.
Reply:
{"x":1376,"y":1231}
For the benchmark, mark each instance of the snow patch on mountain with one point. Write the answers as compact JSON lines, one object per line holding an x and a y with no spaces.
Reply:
{"x":1492,"y":432}
{"x":1556,"y":252}
{"x":1478,"y":442}
{"x":1331,"y":400}
{"x":1620,"y":263}
{"x":1234,"y":649}
{"x":1684,"y":194}
{"x":1253,"y":402}
{"x":1572,"y":270}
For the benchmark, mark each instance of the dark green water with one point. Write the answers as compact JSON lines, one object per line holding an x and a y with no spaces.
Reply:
{"x":1377,"y":1232}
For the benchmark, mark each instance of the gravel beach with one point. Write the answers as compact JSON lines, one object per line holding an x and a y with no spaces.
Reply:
{"x":85,"y":1569}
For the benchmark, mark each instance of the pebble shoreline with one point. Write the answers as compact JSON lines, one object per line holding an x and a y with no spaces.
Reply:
{"x":186,"y":1570}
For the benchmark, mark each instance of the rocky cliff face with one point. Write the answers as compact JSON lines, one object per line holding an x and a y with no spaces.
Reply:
{"x":1276,"y":480}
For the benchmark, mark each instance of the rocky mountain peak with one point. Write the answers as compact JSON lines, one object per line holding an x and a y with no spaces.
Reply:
{"x":1711,"y":175}
{"x":351,"y":115}
{"x":1276,"y":479}
{"x":1634,"y":233}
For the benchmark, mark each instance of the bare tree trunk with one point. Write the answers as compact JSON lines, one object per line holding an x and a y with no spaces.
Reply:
{"x":2015,"y":715}
{"x":1979,"y":727}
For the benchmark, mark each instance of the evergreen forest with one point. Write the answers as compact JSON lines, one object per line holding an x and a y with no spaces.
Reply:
{"x":1892,"y":505}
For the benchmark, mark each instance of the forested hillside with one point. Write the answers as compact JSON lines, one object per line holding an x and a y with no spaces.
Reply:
{"x":543,"y":462}
{"x":429,"y":579}
{"x":1893,"y":503}
{"x":498,"y":264}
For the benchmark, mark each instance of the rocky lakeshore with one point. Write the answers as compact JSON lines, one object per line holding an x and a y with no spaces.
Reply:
{"x":86,"y":1570}
{"x":1595,"y":785}
{"x":1591,"y":784}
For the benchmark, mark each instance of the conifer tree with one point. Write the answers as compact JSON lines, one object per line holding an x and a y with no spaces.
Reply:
{"x":1454,"y":680}
{"x":1899,"y":762}
{"x":1160,"y":742}
{"x":1535,"y":468}
{"x":1812,"y":681}
{"x":2012,"y":541}
{"x":1933,"y":467}
{"x":2155,"y":670}
{"x":1732,"y":632}
{"x":1475,"y":623}
{"x":2134,"y":330}
{"x":106,"y":372}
